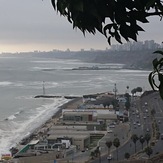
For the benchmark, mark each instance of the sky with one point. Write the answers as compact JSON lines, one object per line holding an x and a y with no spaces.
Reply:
{"x":29,"y":25}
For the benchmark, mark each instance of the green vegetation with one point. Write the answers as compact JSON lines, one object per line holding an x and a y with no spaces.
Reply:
{"x":127,"y":104}
{"x":109,"y":144}
{"x":116,"y":143}
{"x":148,"y":151}
{"x":147,"y":138}
{"x":123,"y":17}
{"x":156,"y":75}
{"x":127,"y":155}
{"x":115,"y":19}
{"x":135,"y":90}
{"x":142,"y":140}
{"x":92,"y":154}
{"x":134,"y":138}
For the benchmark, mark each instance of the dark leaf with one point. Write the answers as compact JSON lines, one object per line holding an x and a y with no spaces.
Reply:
{"x":117,"y":37}
{"x":150,"y":79}
{"x":160,"y":77}
{"x":109,"y":40}
{"x":53,"y":3}
{"x":155,"y":63}
{"x":161,"y":89}
{"x":150,"y":4}
{"x":107,"y":27}
{"x":159,"y":52}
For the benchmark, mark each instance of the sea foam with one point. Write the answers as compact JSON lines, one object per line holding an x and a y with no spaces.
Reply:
{"x":13,"y":131}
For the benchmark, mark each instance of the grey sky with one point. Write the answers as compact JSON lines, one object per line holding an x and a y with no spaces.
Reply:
{"x":34,"y":25}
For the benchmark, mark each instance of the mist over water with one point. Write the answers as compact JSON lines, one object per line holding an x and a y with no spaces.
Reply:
{"x":21,"y":78}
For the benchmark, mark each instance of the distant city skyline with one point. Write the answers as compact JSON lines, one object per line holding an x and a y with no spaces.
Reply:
{"x":140,"y":45}
{"x":34,"y":25}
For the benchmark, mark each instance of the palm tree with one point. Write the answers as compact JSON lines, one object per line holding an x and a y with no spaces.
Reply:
{"x":148,"y":151}
{"x":109,"y":144}
{"x":116,"y":143}
{"x":97,"y":152}
{"x":127,"y":155}
{"x":92,"y":155}
{"x":147,"y":138}
{"x":134,"y":139}
{"x":142,"y":140}
{"x":127,"y":89}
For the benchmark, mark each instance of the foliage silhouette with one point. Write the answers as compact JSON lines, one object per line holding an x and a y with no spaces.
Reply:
{"x":112,"y":18}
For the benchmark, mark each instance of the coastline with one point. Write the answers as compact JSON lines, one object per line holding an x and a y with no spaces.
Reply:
{"x":42,"y":130}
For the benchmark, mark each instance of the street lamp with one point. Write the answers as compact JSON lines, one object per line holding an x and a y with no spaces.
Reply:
{"x":115,"y":90}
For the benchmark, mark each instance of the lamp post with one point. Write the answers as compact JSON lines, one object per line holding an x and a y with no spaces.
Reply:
{"x":115,"y":90}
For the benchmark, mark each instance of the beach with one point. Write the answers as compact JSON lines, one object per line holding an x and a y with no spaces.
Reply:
{"x":41,"y":131}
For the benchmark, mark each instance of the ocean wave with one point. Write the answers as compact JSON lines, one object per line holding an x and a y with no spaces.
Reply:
{"x":17,"y":113}
{"x":11,"y":117}
{"x":5,"y":83}
{"x":23,"y":128}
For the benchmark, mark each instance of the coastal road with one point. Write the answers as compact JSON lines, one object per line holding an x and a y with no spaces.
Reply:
{"x":140,"y":113}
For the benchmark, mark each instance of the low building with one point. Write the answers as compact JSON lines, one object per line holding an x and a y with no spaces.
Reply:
{"x":78,"y":115}
{"x":81,"y":141}
{"x":88,"y":115}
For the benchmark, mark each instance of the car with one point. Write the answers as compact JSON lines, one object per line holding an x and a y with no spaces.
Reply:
{"x":147,"y":130}
{"x":144,"y":117}
{"x":111,"y":126}
{"x":161,"y":136}
{"x":159,"y":121}
{"x":139,"y":124}
{"x":134,"y":123}
{"x":109,"y":157}
{"x":110,"y":131}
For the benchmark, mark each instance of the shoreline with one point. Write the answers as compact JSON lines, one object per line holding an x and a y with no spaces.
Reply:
{"x":42,"y":130}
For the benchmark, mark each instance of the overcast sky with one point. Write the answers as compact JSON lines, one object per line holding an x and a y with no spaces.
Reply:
{"x":28,"y":25}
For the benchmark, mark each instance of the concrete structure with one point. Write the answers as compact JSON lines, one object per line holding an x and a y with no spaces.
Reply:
{"x":88,"y":115}
{"x":82,"y":141}
{"x":105,"y":118}
{"x":70,"y":127}
{"x":78,"y":115}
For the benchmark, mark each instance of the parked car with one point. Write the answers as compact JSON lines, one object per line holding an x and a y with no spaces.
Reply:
{"x":110,"y":131}
{"x":139,"y":124}
{"x":111,"y":126}
{"x":109,"y":157}
{"x":161,"y":136}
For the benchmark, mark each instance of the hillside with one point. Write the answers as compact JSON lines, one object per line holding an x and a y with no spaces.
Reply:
{"x":131,"y":59}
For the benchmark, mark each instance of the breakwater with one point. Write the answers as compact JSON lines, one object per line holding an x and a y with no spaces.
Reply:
{"x":53,"y":96}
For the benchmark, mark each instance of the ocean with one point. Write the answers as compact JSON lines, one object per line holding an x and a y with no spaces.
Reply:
{"x":23,"y":77}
